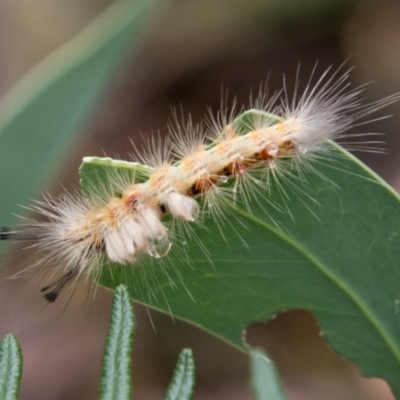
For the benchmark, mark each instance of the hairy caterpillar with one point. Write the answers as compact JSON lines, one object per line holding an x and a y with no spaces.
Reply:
{"x":124,"y":219}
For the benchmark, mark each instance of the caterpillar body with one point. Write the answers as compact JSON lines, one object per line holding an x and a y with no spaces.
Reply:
{"x":124,"y":221}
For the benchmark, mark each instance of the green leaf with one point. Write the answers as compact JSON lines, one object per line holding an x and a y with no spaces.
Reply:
{"x":264,"y":379}
{"x":10,"y":368}
{"x":116,"y":369}
{"x":92,"y":178}
{"x":337,"y":254}
{"x":40,"y":116}
{"x":182,"y":384}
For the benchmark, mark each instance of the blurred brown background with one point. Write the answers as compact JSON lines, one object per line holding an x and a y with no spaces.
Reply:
{"x":186,"y":56}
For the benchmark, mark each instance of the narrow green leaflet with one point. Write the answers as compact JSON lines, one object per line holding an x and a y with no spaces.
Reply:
{"x":116,"y":369}
{"x":265,"y":382}
{"x":50,"y":104}
{"x":181,"y":386}
{"x":336,"y":253}
{"x":10,"y":368}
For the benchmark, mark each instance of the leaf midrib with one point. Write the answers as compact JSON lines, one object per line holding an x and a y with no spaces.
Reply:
{"x":343,"y":286}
